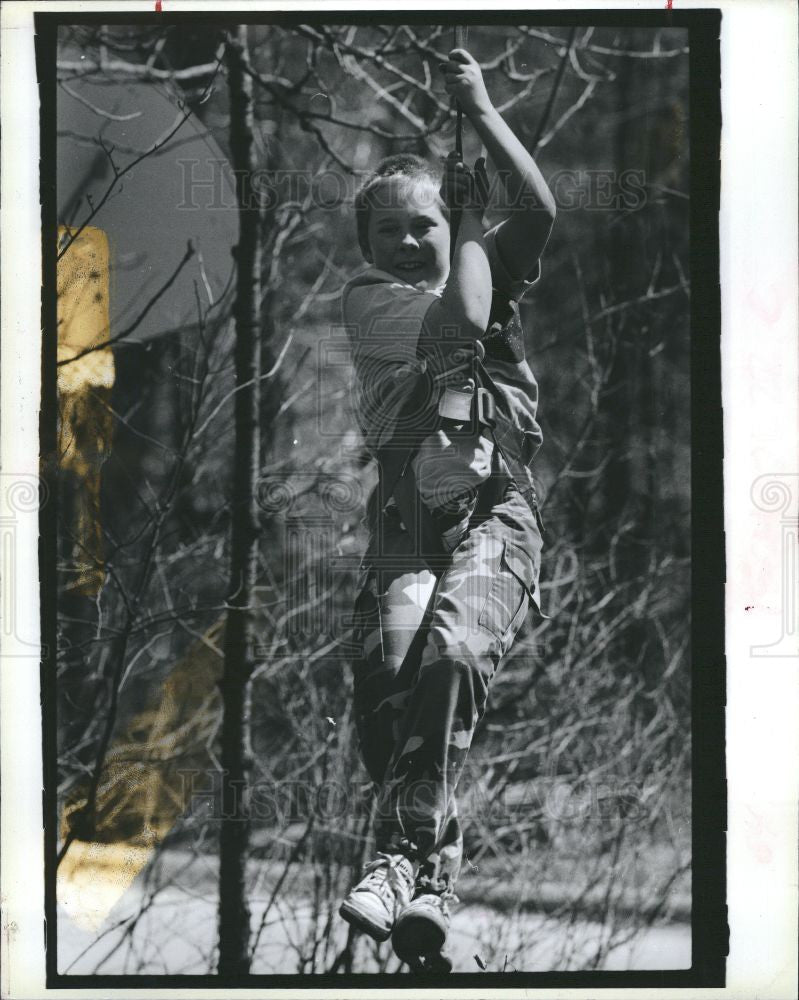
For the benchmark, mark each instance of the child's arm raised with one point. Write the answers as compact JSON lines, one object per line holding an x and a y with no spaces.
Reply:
{"x":465,"y":304}
{"x":523,"y":235}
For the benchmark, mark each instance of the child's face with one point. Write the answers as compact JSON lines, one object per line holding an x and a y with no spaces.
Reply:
{"x":408,"y":234}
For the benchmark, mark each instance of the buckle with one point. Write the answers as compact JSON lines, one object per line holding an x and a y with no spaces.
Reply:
{"x":455,"y":406}
{"x":486,"y":407}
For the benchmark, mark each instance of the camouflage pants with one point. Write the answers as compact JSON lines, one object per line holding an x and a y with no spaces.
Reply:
{"x":428,"y":643}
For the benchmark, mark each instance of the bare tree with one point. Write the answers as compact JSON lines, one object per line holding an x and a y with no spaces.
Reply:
{"x":234,"y":911}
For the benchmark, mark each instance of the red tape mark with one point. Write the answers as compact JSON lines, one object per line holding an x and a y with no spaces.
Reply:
{"x":158,"y":6}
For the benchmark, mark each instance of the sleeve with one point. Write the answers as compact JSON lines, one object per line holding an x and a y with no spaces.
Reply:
{"x":513,"y":288}
{"x":384,"y":321}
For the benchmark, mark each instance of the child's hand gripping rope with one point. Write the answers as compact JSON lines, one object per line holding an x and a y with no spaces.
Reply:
{"x":463,"y":189}
{"x":463,"y":80}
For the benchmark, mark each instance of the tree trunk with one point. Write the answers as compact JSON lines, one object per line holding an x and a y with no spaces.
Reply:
{"x":619,"y":425}
{"x":234,"y":911}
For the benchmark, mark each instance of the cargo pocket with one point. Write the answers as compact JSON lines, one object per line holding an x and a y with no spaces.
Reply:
{"x":511,"y":591}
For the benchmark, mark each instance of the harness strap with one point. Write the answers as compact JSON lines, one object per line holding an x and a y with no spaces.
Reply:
{"x":428,"y":408}
{"x":395,"y":472}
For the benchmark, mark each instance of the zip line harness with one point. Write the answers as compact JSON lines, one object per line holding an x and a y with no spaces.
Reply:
{"x":478,"y":405}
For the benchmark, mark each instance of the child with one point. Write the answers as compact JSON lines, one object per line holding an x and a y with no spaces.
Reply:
{"x":447,"y":404}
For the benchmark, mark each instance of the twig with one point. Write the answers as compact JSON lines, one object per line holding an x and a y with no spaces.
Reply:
{"x":245,"y":385}
{"x":99,"y":111}
{"x":295,"y":853}
{"x":140,"y":72}
{"x":158,"y":144}
{"x":589,"y":89}
{"x":553,"y":93}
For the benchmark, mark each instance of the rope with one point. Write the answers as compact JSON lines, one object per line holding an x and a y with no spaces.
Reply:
{"x":460,"y":35}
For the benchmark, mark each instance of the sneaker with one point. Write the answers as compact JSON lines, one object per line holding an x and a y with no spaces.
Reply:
{"x":420,"y":932}
{"x":374,"y":902}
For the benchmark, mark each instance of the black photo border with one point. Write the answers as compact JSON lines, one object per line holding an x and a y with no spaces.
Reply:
{"x":709,"y":929}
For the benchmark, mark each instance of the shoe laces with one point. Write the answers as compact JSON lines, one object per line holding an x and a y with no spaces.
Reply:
{"x":437,"y":888}
{"x":385,"y":875}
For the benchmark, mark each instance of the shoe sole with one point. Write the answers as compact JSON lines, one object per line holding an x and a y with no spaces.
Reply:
{"x":418,"y":937}
{"x":362,"y":922}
